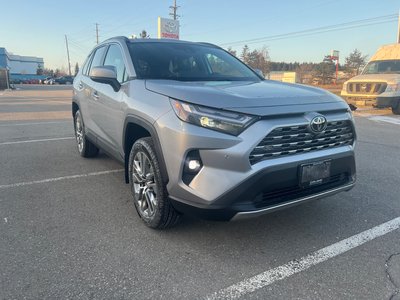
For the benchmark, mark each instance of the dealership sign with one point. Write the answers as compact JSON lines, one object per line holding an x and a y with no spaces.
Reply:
{"x":168,"y":29}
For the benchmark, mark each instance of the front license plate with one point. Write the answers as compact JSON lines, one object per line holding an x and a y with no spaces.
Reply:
{"x":315,"y":173}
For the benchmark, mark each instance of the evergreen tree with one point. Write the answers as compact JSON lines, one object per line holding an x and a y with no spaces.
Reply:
{"x":76,"y":69}
{"x":245,"y":54}
{"x":231,"y":51}
{"x":355,"y":62}
{"x":39,"y":70}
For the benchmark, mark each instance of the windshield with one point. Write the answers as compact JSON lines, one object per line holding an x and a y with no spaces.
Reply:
{"x":382,"y":67}
{"x":187,"y":62}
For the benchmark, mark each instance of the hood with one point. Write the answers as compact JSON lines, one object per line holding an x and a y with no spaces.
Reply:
{"x":388,"y":78}
{"x":258,"y":98}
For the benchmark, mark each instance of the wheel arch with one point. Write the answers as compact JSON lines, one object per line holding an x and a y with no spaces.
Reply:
{"x":134,"y":129}
{"x":75,"y":108}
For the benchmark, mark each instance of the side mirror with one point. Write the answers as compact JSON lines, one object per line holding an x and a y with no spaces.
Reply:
{"x":259,"y":73}
{"x":107,"y":75}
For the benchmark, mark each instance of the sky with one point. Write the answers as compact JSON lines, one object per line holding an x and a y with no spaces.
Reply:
{"x":38,"y":28}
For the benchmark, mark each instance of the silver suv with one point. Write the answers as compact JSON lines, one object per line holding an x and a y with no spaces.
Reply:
{"x":201,"y":133}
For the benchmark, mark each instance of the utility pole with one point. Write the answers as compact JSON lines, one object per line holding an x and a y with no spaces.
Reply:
{"x":174,"y":9}
{"x":69,"y":62}
{"x":97,"y":33}
{"x":398,"y":30}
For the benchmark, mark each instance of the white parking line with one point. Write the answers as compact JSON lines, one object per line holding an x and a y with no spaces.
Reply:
{"x":298,"y":265}
{"x":13,"y":185}
{"x":36,"y":123}
{"x":36,"y":141}
{"x":385,"y":119}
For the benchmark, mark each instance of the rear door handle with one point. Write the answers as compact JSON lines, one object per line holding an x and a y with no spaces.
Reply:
{"x":95,"y":95}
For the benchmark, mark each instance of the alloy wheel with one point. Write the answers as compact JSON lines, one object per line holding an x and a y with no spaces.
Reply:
{"x":144,"y":185}
{"x":79,"y":132}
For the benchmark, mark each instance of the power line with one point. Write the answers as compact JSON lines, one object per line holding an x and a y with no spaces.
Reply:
{"x":319,"y":32}
{"x":340,"y":26}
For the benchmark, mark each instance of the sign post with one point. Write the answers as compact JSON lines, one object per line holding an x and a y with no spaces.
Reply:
{"x":334,"y":57}
{"x":168,"y":29}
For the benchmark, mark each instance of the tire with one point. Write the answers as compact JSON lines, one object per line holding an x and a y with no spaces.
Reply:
{"x":85,"y":147}
{"x":396,"y":109}
{"x":148,"y":188}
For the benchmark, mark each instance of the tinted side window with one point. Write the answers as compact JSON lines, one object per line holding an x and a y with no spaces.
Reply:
{"x":98,"y":57}
{"x":114,"y":58}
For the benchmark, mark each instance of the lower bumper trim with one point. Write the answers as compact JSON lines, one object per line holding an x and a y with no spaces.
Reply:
{"x":255,"y":213}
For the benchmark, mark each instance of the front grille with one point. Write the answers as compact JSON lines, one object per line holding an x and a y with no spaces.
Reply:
{"x":370,"y":88}
{"x":291,"y":140}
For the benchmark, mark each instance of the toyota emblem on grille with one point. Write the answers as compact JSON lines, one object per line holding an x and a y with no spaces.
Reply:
{"x":318,"y":124}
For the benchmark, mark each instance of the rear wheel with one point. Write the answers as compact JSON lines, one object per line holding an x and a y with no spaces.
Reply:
{"x":85,"y":147}
{"x":148,"y":188}
{"x":396,"y":108}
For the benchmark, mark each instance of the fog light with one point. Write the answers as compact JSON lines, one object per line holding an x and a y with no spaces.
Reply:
{"x":192,"y":166}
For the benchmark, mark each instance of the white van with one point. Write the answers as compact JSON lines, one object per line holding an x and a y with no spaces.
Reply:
{"x":379,"y":83}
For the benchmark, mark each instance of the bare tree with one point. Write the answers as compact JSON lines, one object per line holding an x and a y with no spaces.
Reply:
{"x":256,"y":59}
{"x":305,"y":72}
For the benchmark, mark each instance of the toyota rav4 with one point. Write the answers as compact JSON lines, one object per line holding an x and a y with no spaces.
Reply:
{"x":199,"y":132}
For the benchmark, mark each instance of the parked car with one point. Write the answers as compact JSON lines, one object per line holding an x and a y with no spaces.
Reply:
{"x":64,"y":80}
{"x":201,"y":133}
{"x":44,"y":80}
{"x":49,"y":81}
{"x":15,"y":81}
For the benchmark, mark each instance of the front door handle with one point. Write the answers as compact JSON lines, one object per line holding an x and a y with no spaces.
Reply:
{"x":95,"y":95}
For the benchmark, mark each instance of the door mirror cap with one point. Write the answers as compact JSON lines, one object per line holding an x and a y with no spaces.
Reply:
{"x":106,"y":75}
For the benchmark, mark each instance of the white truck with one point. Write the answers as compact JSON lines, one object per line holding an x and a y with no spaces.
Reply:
{"x":379,"y":83}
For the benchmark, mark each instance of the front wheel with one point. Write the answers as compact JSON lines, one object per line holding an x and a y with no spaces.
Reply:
{"x":148,"y":188}
{"x":85,"y":147}
{"x":396,"y":108}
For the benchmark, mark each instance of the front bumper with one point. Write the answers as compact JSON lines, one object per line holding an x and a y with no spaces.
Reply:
{"x":228,"y":186}
{"x":380,"y":101}
{"x":273,"y":189}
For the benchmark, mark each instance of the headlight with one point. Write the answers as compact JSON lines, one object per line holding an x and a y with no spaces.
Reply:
{"x":393,"y":87}
{"x":215,"y":119}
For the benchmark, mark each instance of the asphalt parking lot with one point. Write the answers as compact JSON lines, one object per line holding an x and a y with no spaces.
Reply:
{"x":68,"y":228}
